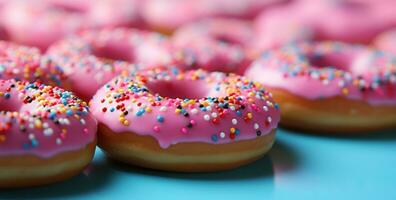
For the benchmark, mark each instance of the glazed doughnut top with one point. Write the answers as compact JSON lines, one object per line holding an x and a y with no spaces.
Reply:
{"x":41,"y":120}
{"x":193,"y":106}
{"x":328,"y":69}
{"x":26,"y":63}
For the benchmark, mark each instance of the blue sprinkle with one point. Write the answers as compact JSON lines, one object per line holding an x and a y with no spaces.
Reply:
{"x":112,"y":109}
{"x":69,"y":112}
{"x":237,"y":132}
{"x":52,"y":115}
{"x":239,"y":113}
{"x":276,"y":106}
{"x":160,"y":118}
{"x":214,"y":138}
{"x":7,"y":95}
{"x":35,"y":143}
{"x":140,"y":112}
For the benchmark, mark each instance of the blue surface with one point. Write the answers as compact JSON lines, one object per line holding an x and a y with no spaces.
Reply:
{"x":300,"y":166}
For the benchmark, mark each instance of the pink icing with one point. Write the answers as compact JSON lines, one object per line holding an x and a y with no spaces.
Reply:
{"x":44,"y":124}
{"x":322,"y":70}
{"x":343,"y":22}
{"x":192,"y":106}
{"x":275,"y":28}
{"x":26,"y":63}
{"x":216,"y":44}
{"x":171,"y":14}
{"x":38,"y":18}
{"x":98,"y":56}
{"x":387,"y":41}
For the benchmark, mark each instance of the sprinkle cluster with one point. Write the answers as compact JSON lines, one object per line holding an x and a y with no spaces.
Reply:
{"x":294,"y":61}
{"x":25,"y":63}
{"x":38,"y":111}
{"x":214,"y":45}
{"x":233,"y":107}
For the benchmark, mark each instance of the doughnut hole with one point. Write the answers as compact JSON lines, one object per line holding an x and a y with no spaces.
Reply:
{"x":182,"y":89}
{"x":341,"y":61}
{"x":114,"y":50}
{"x":227,"y":39}
{"x":68,"y":8}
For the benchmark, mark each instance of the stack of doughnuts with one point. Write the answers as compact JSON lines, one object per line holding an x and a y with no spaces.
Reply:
{"x":185,"y":85}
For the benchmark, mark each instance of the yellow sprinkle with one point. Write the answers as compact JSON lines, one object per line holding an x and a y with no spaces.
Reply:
{"x":38,"y":124}
{"x":126,"y":123}
{"x":250,"y":115}
{"x":345,"y":91}
{"x":2,"y":138}
{"x":177,"y":111}
{"x":232,"y":130}
{"x":148,"y":109}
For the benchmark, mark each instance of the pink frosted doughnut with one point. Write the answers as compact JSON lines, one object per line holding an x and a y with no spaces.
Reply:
{"x":215,"y":44}
{"x":339,"y":87}
{"x":167,"y":15}
{"x":275,"y":28}
{"x":46,"y":134}
{"x":98,"y":56}
{"x":26,"y":63}
{"x":39,"y":19}
{"x":246,"y":9}
{"x":305,"y":21}
{"x":387,"y":41}
{"x":185,"y":119}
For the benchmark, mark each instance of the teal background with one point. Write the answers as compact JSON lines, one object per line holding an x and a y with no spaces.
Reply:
{"x":300,"y":166}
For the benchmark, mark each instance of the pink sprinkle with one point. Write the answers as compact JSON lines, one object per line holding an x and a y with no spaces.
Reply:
{"x":192,"y":122}
{"x":156,"y":128}
{"x":184,"y":130}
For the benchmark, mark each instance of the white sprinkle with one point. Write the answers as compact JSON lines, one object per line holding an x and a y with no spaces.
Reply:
{"x":265,"y":108}
{"x":194,"y":111}
{"x":58,"y":141}
{"x":256,"y":126}
{"x":31,"y":136}
{"x":66,"y":121}
{"x":234,"y":121}
{"x":341,"y":83}
{"x":208,"y":108}
{"x":269,"y":119}
{"x":206,"y":117}
{"x":163,"y":109}
{"x":82,"y":121}
{"x":48,"y":132}
{"x":232,"y":107}
{"x":214,"y":115}
{"x":222,"y":134}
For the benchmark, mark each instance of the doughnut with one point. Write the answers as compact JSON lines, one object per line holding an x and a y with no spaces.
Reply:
{"x":38,"y":18}
{"x":167,"y":15}
{"x":343,"y":23}
{"x":26,"y":63}
{"x":217,"y":44}
{"x":268,"y":24}
{"x":386,"y":41}
{"x":99,"y":55}
{"x":330,"y":87}
{"x":245,"y":9}
{"x":187,"y":121}
{"x":46,"y":134}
